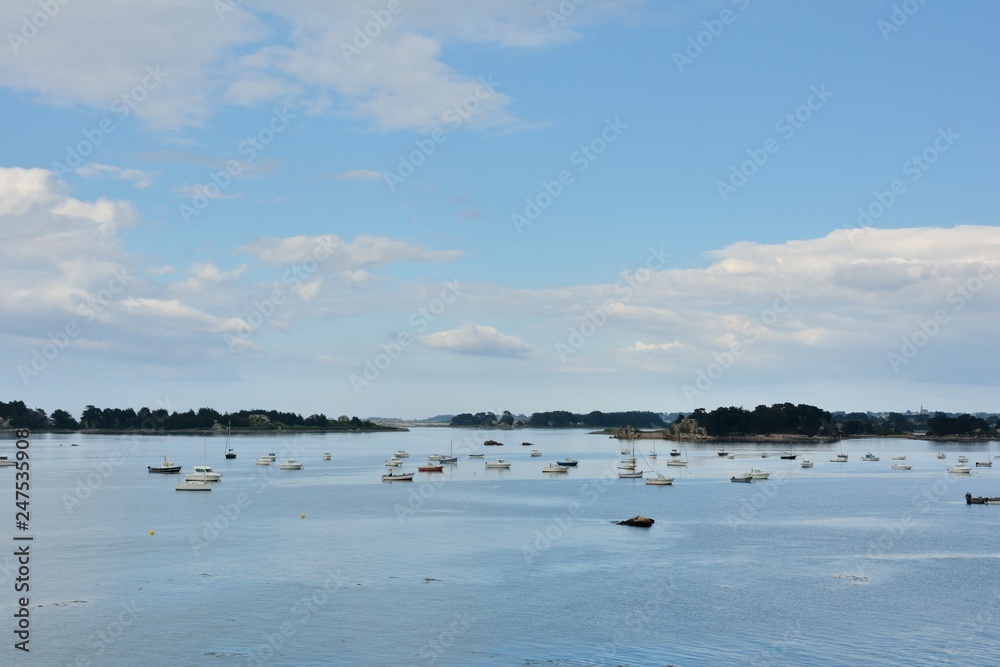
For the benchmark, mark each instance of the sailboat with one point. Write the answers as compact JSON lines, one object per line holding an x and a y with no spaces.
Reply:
{"x":451,"y":458}
{"x":230,"y":454}
{"x":678,"y":462}
{"x":628,"y":469}
{"x":652,"y":454}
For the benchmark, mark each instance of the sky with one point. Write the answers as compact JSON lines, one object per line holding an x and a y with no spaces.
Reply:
{"x":403,"y":208}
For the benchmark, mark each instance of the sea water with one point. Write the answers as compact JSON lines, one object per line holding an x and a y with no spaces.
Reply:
{"x":842,"y":564}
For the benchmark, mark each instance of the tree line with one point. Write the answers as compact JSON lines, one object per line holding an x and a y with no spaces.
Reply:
{"x":16,"y":413}
{"x":561,"y":419}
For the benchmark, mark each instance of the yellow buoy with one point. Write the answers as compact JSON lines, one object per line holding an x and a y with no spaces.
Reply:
{"x":302,"y":516}
{"x":152,"y":532}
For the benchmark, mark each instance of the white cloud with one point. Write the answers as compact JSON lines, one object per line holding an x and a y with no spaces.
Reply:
{"x":476,"y":339}
{"x":142,"y":179}
{"x":336,"y":254}
{"x":357,"y":175}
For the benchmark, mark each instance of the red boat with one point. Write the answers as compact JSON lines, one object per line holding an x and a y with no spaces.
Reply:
{"x":430,"y":468}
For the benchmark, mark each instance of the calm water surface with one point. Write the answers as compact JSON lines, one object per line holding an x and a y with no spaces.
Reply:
{"x":842,"y":564}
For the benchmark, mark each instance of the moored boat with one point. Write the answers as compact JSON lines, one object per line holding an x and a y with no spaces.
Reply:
{"x":869,"y":457}
{"x":193,"y":485}
{"x":290,"y":464}
{"x":264,"y":461}
{"x":535,"y":452}
{"x":4,"y":461}
{"x":806,"y":463}
{"x":430,"y":467}
{"x":568,"y":462}
{"x":630,"y":474}
{"x":960,"y":469}
{"x":394,"y":462}
{"x":788,"y":456}
{"x":901,"y":466}
{"x":401,"y":454}
{"x":839,"y":458}
{"x":745,"y":477}
{"x":165,"y":468}
{"x":326,"y":456}
{"x":984,"y":464}
{"x":555,"y":467}
{"x":203,"y":474}
{"x":499,"y":463}
{"x":757,"y":473}
{"x":980,"y":500}
{"x":660,"y":480}
{"x":398,"y":477}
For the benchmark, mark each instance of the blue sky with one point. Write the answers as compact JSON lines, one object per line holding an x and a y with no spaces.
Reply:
{"x":499,"y":205}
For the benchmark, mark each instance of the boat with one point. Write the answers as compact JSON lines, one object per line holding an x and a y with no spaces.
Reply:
{"x":674,"y":452}
{"x":290,"y":464}
{"x":806,"y":463}
{"x":165,"y":468}
{"x":193,"y":485}
{"x":401,"y":454}
{"x":394,"y":462}
{"x":4,"y":461}
{"x":526,"y":444}
{"x":499,"y":463}
{"x":230,"y":453}
{"x":898,"y":458}
{"x":660,"y":480}
{"x":627,"y":466}
{"x":745,"y":477}
{"x":901,"y":466}
{"x":980,"y":500}
{"x":963,"y":459}
{"x":203,"y":474}
{"x":677,"y":462}
{"x":839,"y":458}
{"x":451,"y":458}
{"x":569,"y":463}
{"x":264,"y":461}
{"x":960,"y":469}
{"x":722,"y":452}
{"x":652,"y":454}
{"x":535,"y":452}
{"x":398,"y":477}
{"x":493,"y":443}
{"x":326,"y":456}
{"x":763,"y":455}
{"x":869,"y":457}
{"x":555,"y":467}
{"x":940,"y":455}
{"x":435,"y":457}
{"x":624,"y":451}
{"x":788,"y":456}
{"x":757,"y":473}
{"x":984,"y":464}
{"x":479,"y":456}
{"x":430,"y":467}
{"x":273,"y":457}
{"x":630,"y":474}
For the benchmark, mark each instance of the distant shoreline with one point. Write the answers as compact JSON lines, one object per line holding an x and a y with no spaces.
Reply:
{"x":787,"y":437}
{"x":218,"y":432}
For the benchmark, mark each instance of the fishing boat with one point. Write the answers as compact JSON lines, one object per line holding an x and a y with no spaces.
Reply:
{"x":535,"y":452}
{"x":398,"y":477}
{"x":165,"y":468}
{"x":230,"y":453}
{"x":660,"y":480}
{"x":394,"y":462}
{"x":264,"y":461}
{"x":555,"y":467}
{"x":499,"y":463}
{"x":290,"y":464}
{"x":430,"y":467}
{"x":401,"y":454}
{"x":757,"y":473}
{"x":869,"y":457}
{"x":203,"y":474}
{"x":806,"y":463}
{"x":980,"y":500}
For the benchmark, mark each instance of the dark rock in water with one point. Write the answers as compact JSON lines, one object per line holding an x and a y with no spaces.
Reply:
{"x":638,"y":521}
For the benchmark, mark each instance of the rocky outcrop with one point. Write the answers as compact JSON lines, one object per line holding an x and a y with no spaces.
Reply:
{"x":638,"y":521}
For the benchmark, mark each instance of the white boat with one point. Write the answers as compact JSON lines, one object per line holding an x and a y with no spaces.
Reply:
{"x":395,"y":463}
{"x":869,"y":457}
{"x":901,"y":466}
{"x":898,"y":458}
{"x":555,"y":467}
{"x":960,"y":469}
{"x":630,"y":474}
{"x":745,"y":477}
{"x":763,"y":455}
{"x":963,"y":459}
{"x":480,"y":456}
{"x":435,"y":457}
{"x":806,"y":463}
{"x":401,"y":454}
{"x":398,"y":477}
{"x":290,"y":464}
{"x":499,"y":463}
{"x":940,"y":455}
{"x":4,"y":461}
{"x":535,"y":452}
{"x":326,"y":456}
{"x":264,"y":461}
{"x":624,"y":451}
{"x":192,"y":485}
{"x":674,"y":452}
{"x":677,"y":462}
{"x":984,"y":464}
{"x":757,"y":473}
{"x":273,"y":457}
{"x":722,"y":452}
{"x":660,"y":480}
{"x":202,"y":474}
{"x":627,"y":466}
